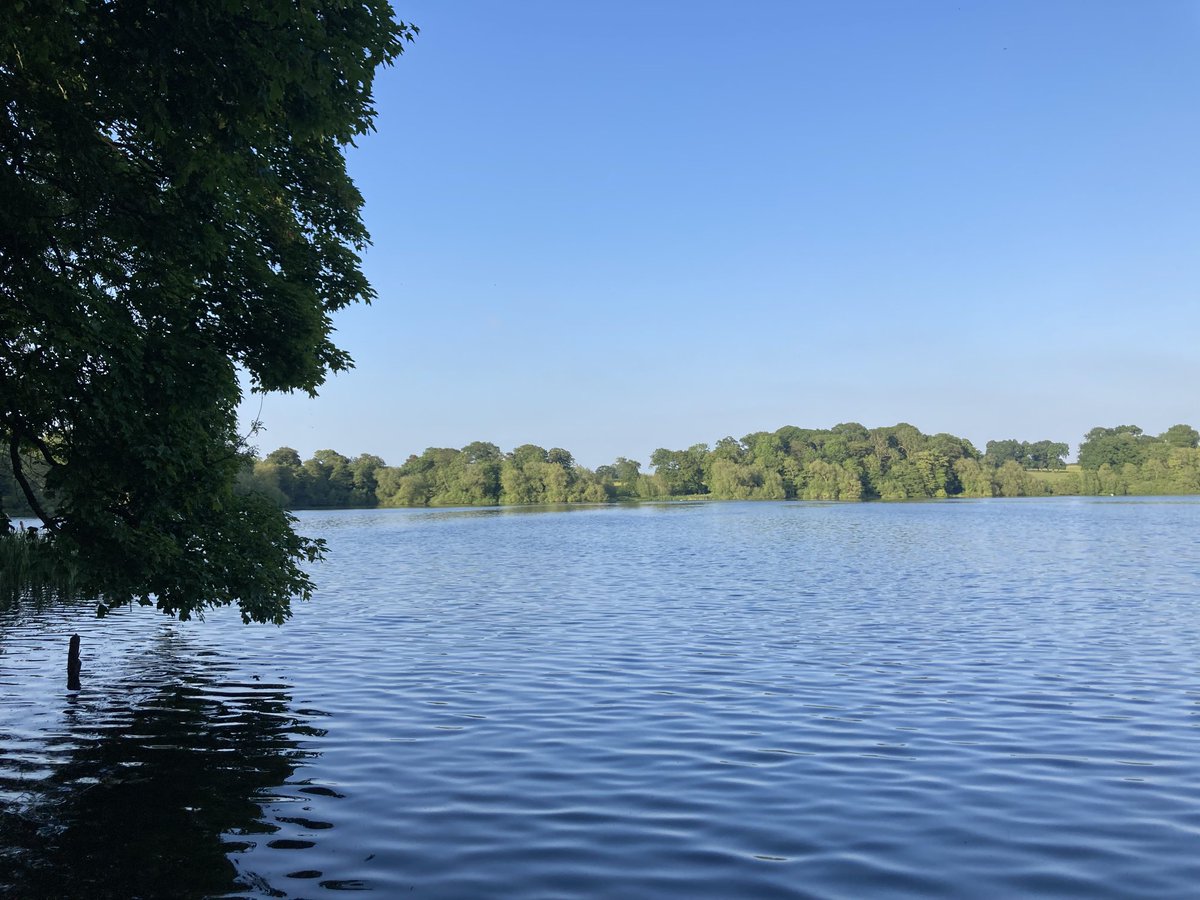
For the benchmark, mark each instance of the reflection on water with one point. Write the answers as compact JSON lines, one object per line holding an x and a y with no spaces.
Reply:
{"x":967,"y":699}
{"x":150,"y":784}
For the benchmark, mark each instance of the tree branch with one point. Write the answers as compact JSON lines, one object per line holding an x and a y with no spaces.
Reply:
{"x":44,"y":449}
{"x":31,"y":497}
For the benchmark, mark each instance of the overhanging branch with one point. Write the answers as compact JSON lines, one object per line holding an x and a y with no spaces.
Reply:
{"x":18,"y":470}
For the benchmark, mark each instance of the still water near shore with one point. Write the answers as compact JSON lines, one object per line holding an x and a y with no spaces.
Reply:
{"x":972,"y":698}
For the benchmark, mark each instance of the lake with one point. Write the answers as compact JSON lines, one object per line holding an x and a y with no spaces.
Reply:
{"x":988,"y":698}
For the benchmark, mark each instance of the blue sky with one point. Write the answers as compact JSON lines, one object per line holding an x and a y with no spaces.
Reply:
{"x":617,"y":226}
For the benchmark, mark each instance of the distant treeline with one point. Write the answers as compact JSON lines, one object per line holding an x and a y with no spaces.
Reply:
{"x":846,"y":462}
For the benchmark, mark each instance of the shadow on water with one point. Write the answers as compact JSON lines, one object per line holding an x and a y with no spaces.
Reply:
{"x":149,"y":792}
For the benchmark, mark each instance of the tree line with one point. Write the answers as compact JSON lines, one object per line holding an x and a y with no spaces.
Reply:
{"x":846,"y":462}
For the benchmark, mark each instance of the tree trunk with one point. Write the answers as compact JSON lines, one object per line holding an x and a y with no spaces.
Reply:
{"x":73,"y":664}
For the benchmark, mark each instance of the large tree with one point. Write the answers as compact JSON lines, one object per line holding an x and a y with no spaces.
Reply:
{"x":1112,"y":446}
{"x":175,"y":209}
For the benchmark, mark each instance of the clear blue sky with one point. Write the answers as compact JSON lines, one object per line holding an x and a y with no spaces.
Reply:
{"x":617,"y":226}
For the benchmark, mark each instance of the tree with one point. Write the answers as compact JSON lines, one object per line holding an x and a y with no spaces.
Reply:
{"x":176,"y":208}
{"x":1046,"y":455}
{"x":936,"y":477}
{"x":1113,"y":447}
{"x":627,"y":470}
{"x":561,"y":457}
{"x":997,"y":453}
{"x":1012,"y":480}
{"x":730,"y":480}
{"x":1181,"y":436}
{"x":519,"y":484}
{"x":728,"y":448}
{"x":398,"y":489}
{"x":363,"y":468}
{"x":282,"y":476}
{"x":974,"y":478}
{"x":1037,"y":455}
{"x":821,"y":480}
{"x":620,"y":478}
{"x":330,"y":479}
{"x":952,"y":447}
{"x":682,"y":471}
{"x":527,"y":454}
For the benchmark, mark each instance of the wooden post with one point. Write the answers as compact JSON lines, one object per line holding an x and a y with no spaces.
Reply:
{"x":73,"y":664}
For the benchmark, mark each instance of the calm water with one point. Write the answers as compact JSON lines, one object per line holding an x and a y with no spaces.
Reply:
{"x":984,"y":699}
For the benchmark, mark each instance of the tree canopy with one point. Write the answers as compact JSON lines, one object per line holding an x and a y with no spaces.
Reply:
{"x":846,"y":462}
{"x":176,"y":210}
{"x":1036,"y":455}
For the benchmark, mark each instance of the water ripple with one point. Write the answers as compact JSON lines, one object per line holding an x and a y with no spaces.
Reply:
{"x":986,"y":699}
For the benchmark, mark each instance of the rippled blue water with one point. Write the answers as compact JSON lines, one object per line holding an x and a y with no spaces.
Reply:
{"x":985,"y":699}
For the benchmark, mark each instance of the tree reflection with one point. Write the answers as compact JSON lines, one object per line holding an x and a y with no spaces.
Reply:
{"x":150,"y":792}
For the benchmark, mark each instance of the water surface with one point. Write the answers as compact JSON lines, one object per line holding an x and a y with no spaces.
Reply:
{"x":990,"y":698}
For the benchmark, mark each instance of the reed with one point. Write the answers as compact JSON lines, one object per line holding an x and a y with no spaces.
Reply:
{"x":33,"y":570}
